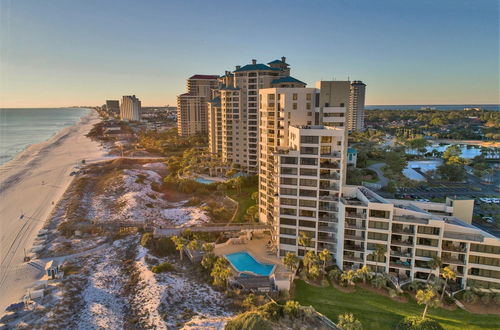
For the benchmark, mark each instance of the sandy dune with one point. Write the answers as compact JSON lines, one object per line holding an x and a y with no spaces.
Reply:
{"x":29,"y":184}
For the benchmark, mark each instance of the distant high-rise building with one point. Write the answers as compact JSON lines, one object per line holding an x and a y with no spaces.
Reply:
{"x":130,"y":109}
{"x":113,"y":107}
{"x":192,"y":107}
{"x":356,"y":110}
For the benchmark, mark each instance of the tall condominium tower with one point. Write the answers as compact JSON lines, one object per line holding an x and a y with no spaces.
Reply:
{"x":130,"y":109}
{"x":235,"y":137}
{"x":356,"y":111}
{"x":192,"y":108}
{"x":113,"y":107}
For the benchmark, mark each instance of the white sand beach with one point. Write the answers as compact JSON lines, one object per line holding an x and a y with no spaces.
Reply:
{"x":30,"y":185}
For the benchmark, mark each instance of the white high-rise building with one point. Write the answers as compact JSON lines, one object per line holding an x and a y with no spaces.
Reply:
{"x":130,"y":108}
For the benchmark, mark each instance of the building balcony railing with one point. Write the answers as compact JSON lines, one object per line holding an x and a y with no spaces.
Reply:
{"x":462,"y":236}
{"x":351,"y":247}
{"x":403,"y":243}
{"x":454,"y":248}
{"x":410,"y":219}
{"x":354,"y":238}
{"x":355,"y":215}
{"x":331,"y":155}
{"x":328,"y":208}
{"x":327,"y":229}
{"x":328,"y":187}
{"x":406,"y":231}
{"x":328,"y":198}
{"x":329,"y":165}
{"x":400,"y":264}
{"x":454,"y":261}
{"x":356,"y":227}
{"x":328,"y":219}
{"x":401,"y":254}
{"x":352,"y":258}
{"x":329,"y":176}
{"x":328,"y":239}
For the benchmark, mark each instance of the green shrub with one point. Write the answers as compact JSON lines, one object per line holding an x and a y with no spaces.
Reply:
{"x":272,"y":311}
{"x":417,"y":323}
{"x":248,"y":321}
{"x":447,"y":300}
{"x":162,"y":268}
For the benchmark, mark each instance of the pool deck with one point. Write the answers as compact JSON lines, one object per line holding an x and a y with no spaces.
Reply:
{"x":257,"y":248}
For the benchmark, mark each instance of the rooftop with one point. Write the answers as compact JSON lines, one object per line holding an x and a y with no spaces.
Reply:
{"x":287,"y":80}
{"x":256,"y":67}
{"x":204,"y":76}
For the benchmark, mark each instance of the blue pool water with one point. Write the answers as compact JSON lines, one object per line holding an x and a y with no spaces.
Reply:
{"x":244,"y":262}
{"x":204,"y":181}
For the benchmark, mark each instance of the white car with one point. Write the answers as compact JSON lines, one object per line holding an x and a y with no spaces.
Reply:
{"x":423,"y":200}
{"x":488,"y":219}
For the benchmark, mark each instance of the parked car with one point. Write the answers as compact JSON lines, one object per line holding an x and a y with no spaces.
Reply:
{"x":489,"y":219}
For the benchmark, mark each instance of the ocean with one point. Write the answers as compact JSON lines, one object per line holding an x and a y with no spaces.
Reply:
{"x":444,"y":107}
{"x":20,"y":128}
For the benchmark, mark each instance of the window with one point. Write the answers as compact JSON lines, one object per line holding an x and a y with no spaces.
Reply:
{"x":295,"y":96}
{"x":377,"y":236}
{"x":288,"y":211}
{"x":308,"y":171}
{"x":425,"y":253}
{"x":289,"y":160}
{"x":428,"y":230}
{"x":326,"y":139}
{"x":309,"y":182}
{"x":288,"y":222}
{"x":484,"y":261}
{"x":289,"y":170}
{"x":305,"y":223}
{"x":427,"y":241}
{"x":307,"y":213}
{"x":380,"y":214}
{"x":309,"y":139}
{"x":309,"y":150}
{"x":378,"y":225}
{"x":289,"y":181}
{"x":288,"y":201}
{"x":485,"y":248}
{"x":308,"y":161}
{"x":307,"y":203}
{"x":308,"y":106}
{"x":288,"y":241}
{"x":308,"y":97}
{"x":288,"y":231}
{"x":288,"y":191}
{"x":294,"y":106}
{"x":307,"y":193}
{"x":484,"y":273}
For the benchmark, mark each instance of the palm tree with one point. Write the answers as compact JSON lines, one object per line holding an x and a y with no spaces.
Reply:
{"x":179,"y":242}
{"x":291,"y":260}
{"x":304,"y":240}
{"x":325,"y":256}
{"x":433,"y":264}
{"x":428,"y":298}
{"x":208,"y":247}
{"x":379,"y":252}
{"x":348,"y":322}
{"x":193,"y":245}
{"x":447,"y":274}
{"x":220,"y":272}
{"x":364,"y":274}
{"x":348,"y":277}
{"x":334,"y":275}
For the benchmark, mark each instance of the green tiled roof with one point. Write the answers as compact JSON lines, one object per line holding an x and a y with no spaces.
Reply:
{"x":287,"y":80}
{"x":256,"y":67}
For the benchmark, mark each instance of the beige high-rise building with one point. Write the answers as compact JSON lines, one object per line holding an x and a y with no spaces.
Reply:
{"x":356,"y":110}
{"x":130,"y":109}
{"x":192,"y":107}
{"x":237,"y":131}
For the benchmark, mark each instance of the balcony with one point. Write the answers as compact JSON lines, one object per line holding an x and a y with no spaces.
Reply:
{"x":354,"y":226}
{"x":454,"y":248}
{"x":334,"y":154}
{"x":328,"y":187}
{"x":453,"y":261}
{"x":465,"y":237}
{"x":328,"y":208}
{"x":329,"y":176}
{"x":402,"y":243}
{"x":355,"y":215}
{"x":328,"y":239}
{"x":401,"y":254}
{"x":406,"y":231}
{"x":411,"y":219}
{"x":354,"y":238}
{"x":327,"y":229}
{"x":329,"y":165}
{"x":330,"y":198}
{"x":400,"y":264}
{"x":351,"y":247}
{"x":328,"y":219}
{"x":352,"y":258}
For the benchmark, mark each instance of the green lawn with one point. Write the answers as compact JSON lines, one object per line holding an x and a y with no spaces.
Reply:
{"x":244,"y":200}
{"x":380,"y":312}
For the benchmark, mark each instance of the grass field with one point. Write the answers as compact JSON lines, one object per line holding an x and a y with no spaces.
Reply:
{"x":380,"y":312}
{"x":244,"y":200}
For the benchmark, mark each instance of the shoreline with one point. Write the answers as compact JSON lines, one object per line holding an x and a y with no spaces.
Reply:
{"x":31,"y":184}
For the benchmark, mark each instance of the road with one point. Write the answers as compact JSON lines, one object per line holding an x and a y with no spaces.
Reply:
{"x":377,"y":168}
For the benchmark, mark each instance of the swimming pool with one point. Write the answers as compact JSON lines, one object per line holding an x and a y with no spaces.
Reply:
{"x":204,"y":181}
{"x":243,"y":262}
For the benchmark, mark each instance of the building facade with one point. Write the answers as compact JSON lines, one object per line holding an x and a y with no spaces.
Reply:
{"x":192,"y":107}
{"x":130,"y":109}
{"x":356,"y":110}
{"x":113,"y":107}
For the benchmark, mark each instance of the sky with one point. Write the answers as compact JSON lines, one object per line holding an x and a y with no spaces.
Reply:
{"x":81,"y":52}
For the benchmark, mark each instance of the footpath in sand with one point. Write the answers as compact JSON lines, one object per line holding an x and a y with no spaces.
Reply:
{"x":29,"y":184}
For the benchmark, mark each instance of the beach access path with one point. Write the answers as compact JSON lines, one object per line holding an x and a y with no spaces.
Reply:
{"x":30,"y":186}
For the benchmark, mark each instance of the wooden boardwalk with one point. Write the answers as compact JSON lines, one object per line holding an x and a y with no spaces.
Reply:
{"x":172,"y":231}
